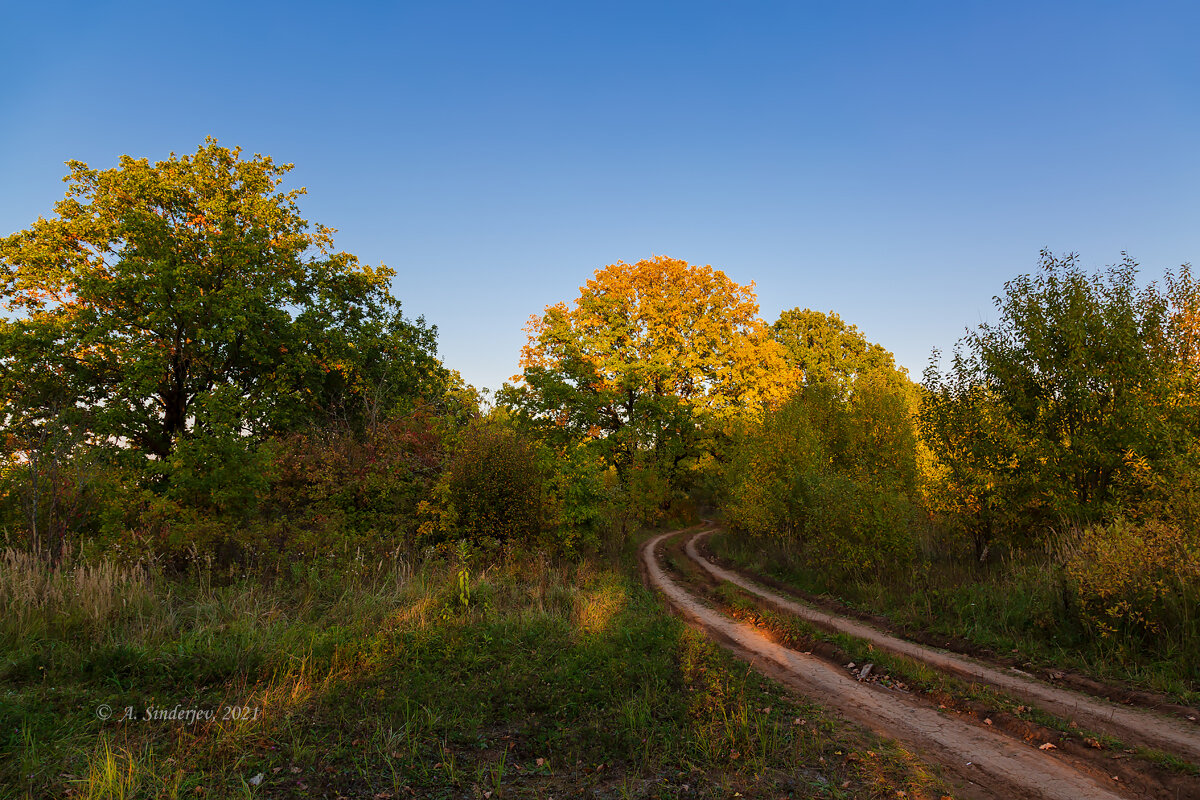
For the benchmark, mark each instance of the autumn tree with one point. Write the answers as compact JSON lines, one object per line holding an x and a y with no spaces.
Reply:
{"x":645,"y":354}
{"x":964,"y":425}
{"x":187,"y":299}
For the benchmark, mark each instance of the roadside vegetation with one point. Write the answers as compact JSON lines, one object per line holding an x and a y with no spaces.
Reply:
{"x":991,"y":705}
{"x":451,"y":677}
{"x":1034,"y":499}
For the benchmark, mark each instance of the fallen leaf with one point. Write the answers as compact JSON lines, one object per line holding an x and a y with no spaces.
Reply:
{"x":1048,"y":746}
{"x":987,"y":721}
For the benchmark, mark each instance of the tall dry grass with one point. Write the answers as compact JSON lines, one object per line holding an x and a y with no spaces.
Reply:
{"x":36,"y":597}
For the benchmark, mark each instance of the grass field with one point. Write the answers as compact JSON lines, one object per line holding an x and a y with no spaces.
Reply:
{"x":534,"y":678}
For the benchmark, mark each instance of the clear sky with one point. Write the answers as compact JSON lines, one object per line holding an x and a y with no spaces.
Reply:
{"x":893,"y":161}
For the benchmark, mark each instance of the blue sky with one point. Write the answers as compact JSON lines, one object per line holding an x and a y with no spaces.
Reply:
{"x":894,"y":162}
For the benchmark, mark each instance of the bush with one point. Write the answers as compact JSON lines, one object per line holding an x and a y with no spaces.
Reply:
{"x":582,"y":498}
{"x":856,"y":530}
{"x":772,"y":473}
{"x":341,"y":491}
{"x":327,"y":492}
{"x":1138,"y":580}
{"x":493,"y":489}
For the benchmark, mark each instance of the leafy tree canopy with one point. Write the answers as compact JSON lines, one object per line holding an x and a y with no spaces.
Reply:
{"x":1078,"y":386}
{"x":825,"y":349}
{"x":188,"y":297}
{"x":644,"y":350}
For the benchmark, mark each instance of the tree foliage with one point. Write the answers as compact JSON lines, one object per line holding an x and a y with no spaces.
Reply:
{"x":337,"y":489}
{"x":189,"y":298}
{"x":645,"y":353}
{"x":493,"y":488}
{"x":833,"y":477}
{"x":823,"y":348}
{"x":1049,"y":411}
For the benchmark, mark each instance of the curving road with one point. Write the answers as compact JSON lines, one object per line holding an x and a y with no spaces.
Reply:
{"x":990,"y":764}
{"x":1132,"y":725}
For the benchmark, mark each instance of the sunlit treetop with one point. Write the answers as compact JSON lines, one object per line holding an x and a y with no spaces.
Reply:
{"x":824,"y":348}
{"x":659,"y":328}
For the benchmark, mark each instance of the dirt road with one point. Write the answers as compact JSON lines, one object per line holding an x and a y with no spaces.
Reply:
{"x":1131,"y":725}
{"x":987,"y":764}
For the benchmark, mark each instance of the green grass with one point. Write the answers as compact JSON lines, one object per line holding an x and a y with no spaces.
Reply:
{"x":530,"y":679}
{"x":1017,"y":609}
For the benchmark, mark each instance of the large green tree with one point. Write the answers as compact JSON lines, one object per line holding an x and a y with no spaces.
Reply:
{"x":824,"y":348}
{"x":1048,"y":412}
{"x":188,"y":297}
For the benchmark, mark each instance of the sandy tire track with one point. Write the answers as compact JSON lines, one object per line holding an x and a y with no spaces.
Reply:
{"x":1131,"y":725}
{"x":991,"y":765}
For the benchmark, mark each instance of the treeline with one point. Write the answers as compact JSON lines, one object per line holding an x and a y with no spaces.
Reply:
{"x":189,"y":369}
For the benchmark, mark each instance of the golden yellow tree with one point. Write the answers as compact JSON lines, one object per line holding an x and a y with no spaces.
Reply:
{"x":647,"y":352}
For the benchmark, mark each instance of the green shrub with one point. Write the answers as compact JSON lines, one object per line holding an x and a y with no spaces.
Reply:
{"x":338,"y":490}
{"x":330,"y":493}
{"x":1138,"y":580}
{"x":833,"y":475}
{"x":493,"y":489}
